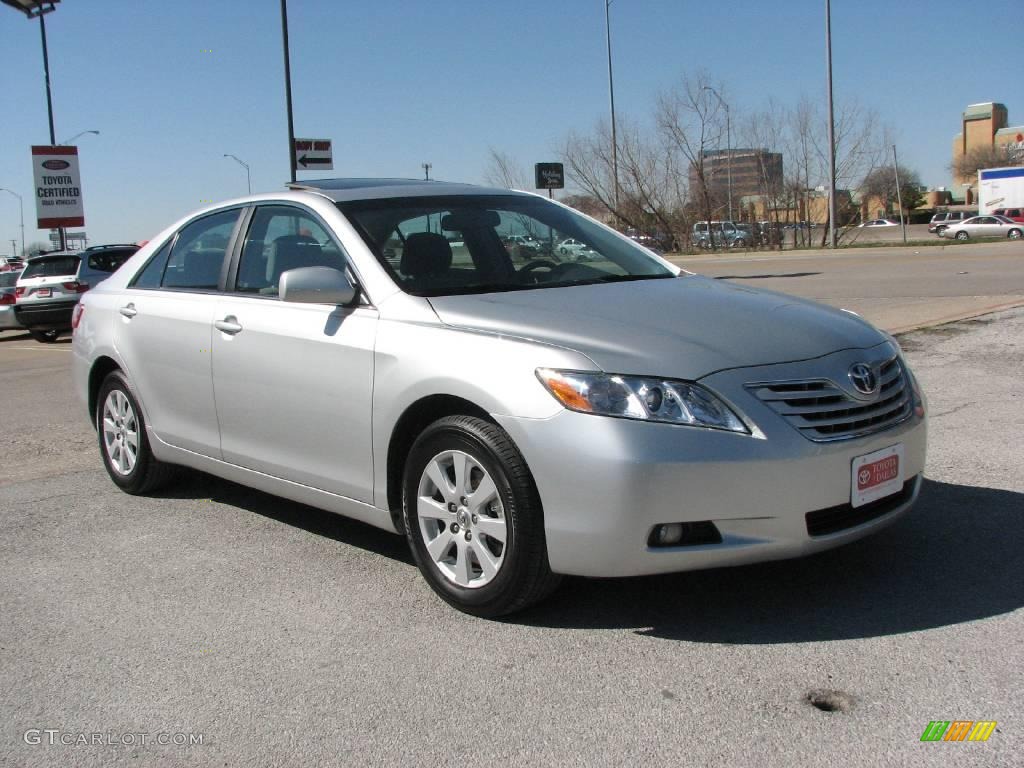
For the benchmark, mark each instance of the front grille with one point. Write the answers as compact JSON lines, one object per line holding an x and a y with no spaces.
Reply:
{"x":822,"y":522}
{"x":821,"y":411}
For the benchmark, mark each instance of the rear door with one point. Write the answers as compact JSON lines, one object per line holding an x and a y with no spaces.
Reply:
{"x":165,"y":326}
{"x":293,"y":382}
{"x":50,"y":279}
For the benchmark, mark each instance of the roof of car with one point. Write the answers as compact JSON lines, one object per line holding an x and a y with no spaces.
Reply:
{"x":344,"y":190}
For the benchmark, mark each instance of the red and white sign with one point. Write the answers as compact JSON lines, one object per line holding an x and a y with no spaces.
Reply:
{"x":58,"y":187}
{"x":877,"y":475}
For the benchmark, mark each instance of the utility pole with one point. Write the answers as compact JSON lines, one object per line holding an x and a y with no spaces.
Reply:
{"x":21,"y":215}
{"x":426,"y":170}
{"x":288,"y":88}
{"x":831,"y":130}
{"x":899,"y":193}
{"x":611,"y":102}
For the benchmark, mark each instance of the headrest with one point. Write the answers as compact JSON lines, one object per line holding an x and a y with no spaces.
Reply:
{"x":425,"y":253}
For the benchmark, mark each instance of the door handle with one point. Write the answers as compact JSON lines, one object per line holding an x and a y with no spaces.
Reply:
{"x":228,"y":325}
{"x":129,"y":310}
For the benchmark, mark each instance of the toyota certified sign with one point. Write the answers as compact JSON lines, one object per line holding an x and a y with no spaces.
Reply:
{"x":58,"y":187}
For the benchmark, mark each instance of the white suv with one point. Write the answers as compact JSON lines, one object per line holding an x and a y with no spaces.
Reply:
{"x":51,"y":285}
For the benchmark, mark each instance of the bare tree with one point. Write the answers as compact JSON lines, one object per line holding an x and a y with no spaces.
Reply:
{"x":691,"y":120}
{"x":880,"y":183}
{"x":967,"y":165}
{"x":503,"y":171}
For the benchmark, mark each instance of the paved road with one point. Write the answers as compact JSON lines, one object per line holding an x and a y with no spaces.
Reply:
{"x":286,"y":636}
{"x":896,"y":288}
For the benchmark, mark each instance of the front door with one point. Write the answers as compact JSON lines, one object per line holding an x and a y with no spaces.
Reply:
{"x":293,"y":382}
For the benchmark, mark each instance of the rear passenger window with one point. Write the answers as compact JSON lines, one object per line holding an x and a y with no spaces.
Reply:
{"x":198,"y":253}
{"x":109,"y":261}
{"x":150,"y":276}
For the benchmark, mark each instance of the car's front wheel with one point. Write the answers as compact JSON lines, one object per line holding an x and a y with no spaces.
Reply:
{"x":473,"y":518}
{"x":124,"y":445}
{"x":962,"y":236}
{"x":1014,"y":234}
{"x":46,"y":337}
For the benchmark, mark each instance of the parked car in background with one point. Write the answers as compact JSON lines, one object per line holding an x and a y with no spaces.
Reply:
{"x":11,"y":264}
{"x":51,"y":285}
{"x":720,"y":234}
{"x":1017,"y":214}
{"x":985,"y":226}
{"x":944,"y":219}
{"x":515,"y":422}
{"x":8,"y":282}
{"x":879,"y":223}
{"x":575,"y":249}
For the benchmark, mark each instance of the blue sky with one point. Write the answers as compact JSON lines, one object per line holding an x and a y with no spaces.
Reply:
{"x":395,"y":84}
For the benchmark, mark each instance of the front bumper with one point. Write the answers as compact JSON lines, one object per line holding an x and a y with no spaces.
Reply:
{"x":606,"y":482}
{"x":45,"y":316}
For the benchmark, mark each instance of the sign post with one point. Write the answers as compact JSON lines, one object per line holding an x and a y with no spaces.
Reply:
{"x":313,"y":154}
{"x":549,"y":176}
{"x":58,"y":187}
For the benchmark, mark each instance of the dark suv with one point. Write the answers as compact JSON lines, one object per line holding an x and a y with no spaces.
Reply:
{"x":51,"y":285}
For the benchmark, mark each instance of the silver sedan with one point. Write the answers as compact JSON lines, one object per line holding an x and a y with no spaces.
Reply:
{"x":515,"y":422}
{"x":984,"y":226}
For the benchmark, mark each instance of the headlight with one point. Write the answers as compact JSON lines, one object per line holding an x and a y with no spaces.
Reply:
{"x":636,"y":397}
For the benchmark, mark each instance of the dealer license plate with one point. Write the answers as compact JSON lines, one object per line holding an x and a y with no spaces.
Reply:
{"x":877,"y":475}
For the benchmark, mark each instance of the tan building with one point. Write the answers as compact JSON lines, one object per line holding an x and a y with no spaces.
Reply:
{"x":985,"y":126}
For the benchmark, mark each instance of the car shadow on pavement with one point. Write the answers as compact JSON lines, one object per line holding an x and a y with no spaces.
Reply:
{"x":958,"y":556}
{"x":199,"y":485}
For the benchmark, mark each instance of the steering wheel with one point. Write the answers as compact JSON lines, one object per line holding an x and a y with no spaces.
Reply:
{"x":527,"y":270}
{"x":538,"y":264}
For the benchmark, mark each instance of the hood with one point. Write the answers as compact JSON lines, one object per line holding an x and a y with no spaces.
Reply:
{"x":687,"y":327}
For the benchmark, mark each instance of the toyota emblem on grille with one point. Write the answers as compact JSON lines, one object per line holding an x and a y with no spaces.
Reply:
{"x":864,"y":379}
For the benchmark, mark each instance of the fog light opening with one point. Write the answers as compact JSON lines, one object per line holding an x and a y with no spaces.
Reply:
{"x":684,"y":534}
{"x":668,"y":535}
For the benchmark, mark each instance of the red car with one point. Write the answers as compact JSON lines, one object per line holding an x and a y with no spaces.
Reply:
{"x":1017,"y":214}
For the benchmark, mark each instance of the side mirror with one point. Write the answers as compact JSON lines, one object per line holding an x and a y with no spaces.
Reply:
{"x":316,"y":285}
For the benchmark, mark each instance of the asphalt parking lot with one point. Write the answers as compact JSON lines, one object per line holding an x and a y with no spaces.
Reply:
{"x":281,"y":635}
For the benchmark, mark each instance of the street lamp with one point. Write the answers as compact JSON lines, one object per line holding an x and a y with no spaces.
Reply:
{"x":21,"y":214}
{"x":248,"y":178}
{"x":426,"y":170}
{"x":611,"y":103}
{"x":96,"y":133}
{"x":728,"y":144}
{"x":831,"y":129}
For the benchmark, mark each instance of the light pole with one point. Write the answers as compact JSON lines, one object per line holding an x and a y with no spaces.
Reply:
{"x":728,"y":144}
{"x":426,"y":170}
{"x":248,"y":178}
{"x":899,"y":193}
{"x":611,"y":104}
{"x":288,"y":87}
{"x":96,"y":133}
{"x":21,"y":214}
{"x":831,"y":130}
{"x":38,"y":9}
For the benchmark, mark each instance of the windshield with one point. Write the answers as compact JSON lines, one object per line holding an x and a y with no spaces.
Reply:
{"x":441,"y":246}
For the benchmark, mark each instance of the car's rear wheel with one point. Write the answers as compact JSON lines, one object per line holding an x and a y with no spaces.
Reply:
{"x":962,"y":236}
{"x":1014,"y":234}
{"x":473,"y":518}
{"x":939,"y":231}
{"x":124,"y":445}
{"x":46,"y":337}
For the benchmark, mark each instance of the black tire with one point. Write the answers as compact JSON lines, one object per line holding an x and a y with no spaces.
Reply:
{"x":962,"y":236}
{"x":524,"y":576}
{"x":939,"y":231}
{"x":148,"y":473}
{"x":740,"y":243}
{"x":45,"y":337}
{"x":1014,"y":234}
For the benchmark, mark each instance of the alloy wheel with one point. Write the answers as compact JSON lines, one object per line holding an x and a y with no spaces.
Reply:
{"x":120,"y":432}
{"x":461,"y":519}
